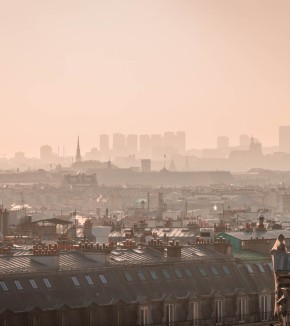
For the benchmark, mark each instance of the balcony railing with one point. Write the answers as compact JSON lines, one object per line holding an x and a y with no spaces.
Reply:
{"x":265,"y":318}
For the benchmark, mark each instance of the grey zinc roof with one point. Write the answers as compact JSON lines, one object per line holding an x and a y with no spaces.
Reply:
{"x":118,"y":287}
{"x":268,"y":235}
{"x":199,"y":271}
{"x":170,"y":233}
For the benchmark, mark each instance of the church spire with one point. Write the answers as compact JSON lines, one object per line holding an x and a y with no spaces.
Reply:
{"x":78,"y":154}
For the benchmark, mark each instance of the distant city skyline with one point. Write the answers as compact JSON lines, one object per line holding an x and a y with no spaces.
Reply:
{"x":144,"y":145}
{"x":210,"y":68}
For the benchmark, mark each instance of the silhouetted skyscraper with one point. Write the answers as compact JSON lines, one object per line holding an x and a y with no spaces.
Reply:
{"x":284,"y":139}
{"x":132,"y":144}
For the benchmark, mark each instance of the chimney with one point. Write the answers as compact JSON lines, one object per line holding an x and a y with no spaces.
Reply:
{"x":98,"y":252}
{"x":173,"y":249}
{"x":46,"y":255}
{"x":223,"y":246}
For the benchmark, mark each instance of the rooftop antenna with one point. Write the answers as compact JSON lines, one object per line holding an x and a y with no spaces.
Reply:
{"x":148,"y":201}
{"x":23,"y":206}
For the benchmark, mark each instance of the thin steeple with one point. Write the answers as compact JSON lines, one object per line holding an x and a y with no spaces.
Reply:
{"x":78,"y":154}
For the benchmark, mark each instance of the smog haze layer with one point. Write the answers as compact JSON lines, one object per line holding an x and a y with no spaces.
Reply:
{"x":207,"y":67}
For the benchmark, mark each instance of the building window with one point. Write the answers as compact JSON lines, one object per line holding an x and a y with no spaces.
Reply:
{"x":3,"y":286}
{"x":63,"y":319}
{"x":33,"y":284}
{"x":141,"y":276}
{"x":35,"y":320}
{"x":194,"y":313}
{"x":169,"y":314}
{"x":128,"y":276}
{"x":219,"y":312}
{"x":103,"y":279}
{"x":153,"y":275}
{"x":6,"y":321}
{"x":265,"y":307}
{"x":75,"y":281}
{"x":91,"y":318}
{"x":89,"y":280}
{"x":18,"y":285}
{"x":47,"y":283}
{"x":242,"y":309}
{"x":144,"y":316}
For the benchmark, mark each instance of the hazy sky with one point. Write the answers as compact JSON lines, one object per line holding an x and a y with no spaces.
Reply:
{"x":209,"y":67}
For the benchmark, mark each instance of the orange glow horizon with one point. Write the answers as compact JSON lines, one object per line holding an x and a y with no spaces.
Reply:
{"x":207,"y":67}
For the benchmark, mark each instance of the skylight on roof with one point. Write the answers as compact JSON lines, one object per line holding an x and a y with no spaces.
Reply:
{"x":18,"y":285}
{"x":188,"y":272}
{"x":202,"y":271}
{"x":115,"y":253}
{"x":214,"y":271}
{"x":270,"y":266}
{"x":141,"y":276}
{"x":33,"y":284}
{"x":166,"y":274}
{"x":261,"y":268}
{"x":128,"y":276}
{"x":3,"y":286}
{"x":47,"y":283}
{"x":89,"y":280}
{"x":138,"y":251}
{"x":178,"y":273}
{"x":226,"y":270}
{"x":153,"y":275}
{"x":75,"y":281}
{"x":249,"y":268}
{"x":103,"y":279}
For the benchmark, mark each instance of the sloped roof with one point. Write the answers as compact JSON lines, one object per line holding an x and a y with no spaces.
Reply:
{"x":270,"y":235}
